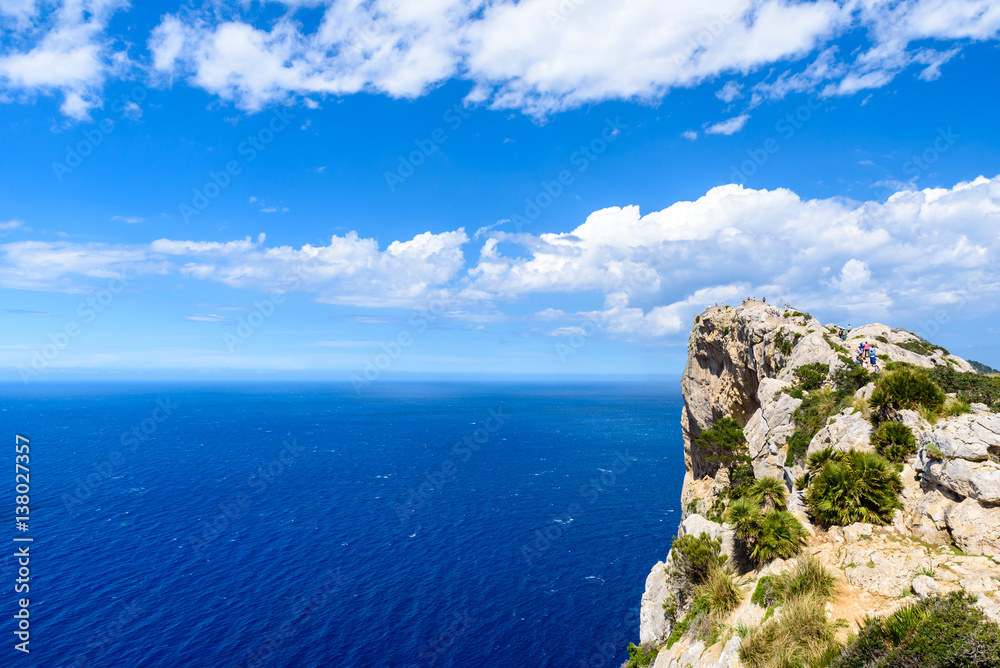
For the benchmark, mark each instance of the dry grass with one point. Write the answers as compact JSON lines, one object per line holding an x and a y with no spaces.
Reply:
{"x":802,"y":636}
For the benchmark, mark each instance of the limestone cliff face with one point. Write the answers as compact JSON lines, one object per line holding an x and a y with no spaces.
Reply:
{"x":739,"y":361}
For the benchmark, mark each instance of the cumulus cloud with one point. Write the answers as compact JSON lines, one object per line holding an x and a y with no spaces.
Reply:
{"x":62,"y":49}
{"x":544,"y":56}
{"x":646,"y":275}
{"x":657,"y":270}
{"x":536,"y":56}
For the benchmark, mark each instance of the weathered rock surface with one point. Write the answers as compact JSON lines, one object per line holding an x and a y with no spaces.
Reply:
{"x":844,"y":431}
{"x":976,"y":480}
{"x":653,"y":625}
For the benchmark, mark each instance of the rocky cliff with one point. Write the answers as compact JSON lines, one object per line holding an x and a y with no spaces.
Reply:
{"x":742,"y":364}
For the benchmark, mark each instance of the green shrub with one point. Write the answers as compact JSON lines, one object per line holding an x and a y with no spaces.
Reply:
{"x":639,"y":656}
{"x":720,"y":592}
{"x":905,"y":387}
{"x":847,"y":380}
{"x":781,"y":536}
{"x":801,"y":637}
{"x":767,"y":593}
{"x":852,"y":486}
{"x":726,"y":446}
{"x":769,"y":493}
{"x":694,"y":558}
{"x":894,"y":441}
{"x":922,"y":347}
{"x":765,"y":536}
{"x":783,"y":344}
{"x":940,"y":632}
{"x":971,"y":387}
{"x":810,"y":417}
{"x":812,"y":376}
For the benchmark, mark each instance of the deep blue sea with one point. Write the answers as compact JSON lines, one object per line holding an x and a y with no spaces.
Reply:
{"x":419,"y":524}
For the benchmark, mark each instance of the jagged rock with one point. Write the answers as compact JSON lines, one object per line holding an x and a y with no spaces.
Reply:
{"x":932,"y":510}
{"x":653,"y":626}
{"x":739,"y":361}
{"x":844,"y":431}
{"x":975,"y":527}
{"x":769,"y":428}
{"x":925,"y":586}
{"x":971,"y":437}
{"x":977,"y":480}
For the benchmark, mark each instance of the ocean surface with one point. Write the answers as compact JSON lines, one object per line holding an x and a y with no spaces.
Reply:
{"x":300,"y":524}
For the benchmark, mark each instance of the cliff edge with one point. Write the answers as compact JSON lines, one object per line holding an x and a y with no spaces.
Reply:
{"x":786,"y":379}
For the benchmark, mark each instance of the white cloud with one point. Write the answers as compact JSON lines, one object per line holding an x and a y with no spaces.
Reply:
{"x":731,"y":91}
{"x":131,"y":220}
{"x":690,"y":135}
{"x":658,"y":270}
{"x":62,"y":49}
{"x":211,"y":317}
{"x":728,"y":127}
{"x":518,"y":57}
{"x":933,"y":248}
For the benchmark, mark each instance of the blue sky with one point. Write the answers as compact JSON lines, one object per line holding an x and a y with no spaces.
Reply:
{"x":543,"y":187}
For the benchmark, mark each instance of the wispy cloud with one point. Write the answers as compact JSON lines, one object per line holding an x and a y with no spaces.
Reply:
{"x":131,"y":220}
{"x":728,"y":127}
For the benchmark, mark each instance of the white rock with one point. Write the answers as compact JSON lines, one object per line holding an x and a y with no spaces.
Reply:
{"x":652,"y":617}
{"x":975,"y":527}
{"x":925,"y":586}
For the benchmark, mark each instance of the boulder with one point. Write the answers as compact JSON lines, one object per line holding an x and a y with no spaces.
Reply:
{"x":975,"y":527}
{"x":848,"y":429}
{"x":977,"y":480}
{"x":924,"y":586}
{"x":972,"y":437}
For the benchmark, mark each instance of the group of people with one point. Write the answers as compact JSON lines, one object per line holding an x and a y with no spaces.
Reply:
{"x":867,"y":356}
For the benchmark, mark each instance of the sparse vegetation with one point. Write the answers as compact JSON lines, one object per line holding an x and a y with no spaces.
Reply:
{"x":726,"y":447}
{"x":922,"y":347}
{"x":801,"y":637}
{"x":852,"y":486}
{"x":939,"y":632}
{"x":894,"y":441}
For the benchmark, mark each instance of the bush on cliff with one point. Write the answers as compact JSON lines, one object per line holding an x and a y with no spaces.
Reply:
{"x":905,"y":388}
{"x":725,"y":445}
{"x":852,"y":486}
{"x":894,"y":441}
{"x":809,"y":418}
{"x":939,"y":632}
{"x":769,"y":493}
{"x":695,"y":557}
{"x":812,"y":376}
{"x":765,"y":535}
{"x":719,"y":590}
{"x":640,"y":656}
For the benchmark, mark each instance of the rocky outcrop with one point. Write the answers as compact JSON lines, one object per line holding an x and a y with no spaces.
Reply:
{"x":741,"y":364}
